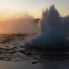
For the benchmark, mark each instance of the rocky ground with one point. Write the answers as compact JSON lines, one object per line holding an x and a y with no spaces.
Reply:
{"x":23,"y":53}
{"x":16,"y":50}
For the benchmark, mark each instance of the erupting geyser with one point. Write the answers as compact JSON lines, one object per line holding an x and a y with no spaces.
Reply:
{"x":52,"y":33}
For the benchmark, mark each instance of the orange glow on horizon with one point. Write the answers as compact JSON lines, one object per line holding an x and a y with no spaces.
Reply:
{"x":5,"y":16}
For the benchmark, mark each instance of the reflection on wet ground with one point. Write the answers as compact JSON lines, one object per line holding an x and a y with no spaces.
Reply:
{"x":21,"y":57}
{"x":21,"y":53}
{"x":46,"y":64}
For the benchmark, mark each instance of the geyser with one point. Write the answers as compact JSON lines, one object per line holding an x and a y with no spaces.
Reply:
{"x":52,"y":33}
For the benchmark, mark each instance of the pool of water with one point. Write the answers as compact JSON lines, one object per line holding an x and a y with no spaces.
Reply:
{"x":46,"y":64}
{"x":15,"y":57}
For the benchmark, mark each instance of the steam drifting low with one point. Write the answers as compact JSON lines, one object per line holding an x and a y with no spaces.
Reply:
{"x":52,"y":33}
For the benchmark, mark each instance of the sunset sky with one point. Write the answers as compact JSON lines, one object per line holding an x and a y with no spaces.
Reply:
{"x":12,"y":12}
{"x":11,"y":8}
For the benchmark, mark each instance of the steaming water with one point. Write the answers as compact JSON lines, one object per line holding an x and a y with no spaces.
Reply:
{"x":14,"y":56}
{"x":51,"y":29}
